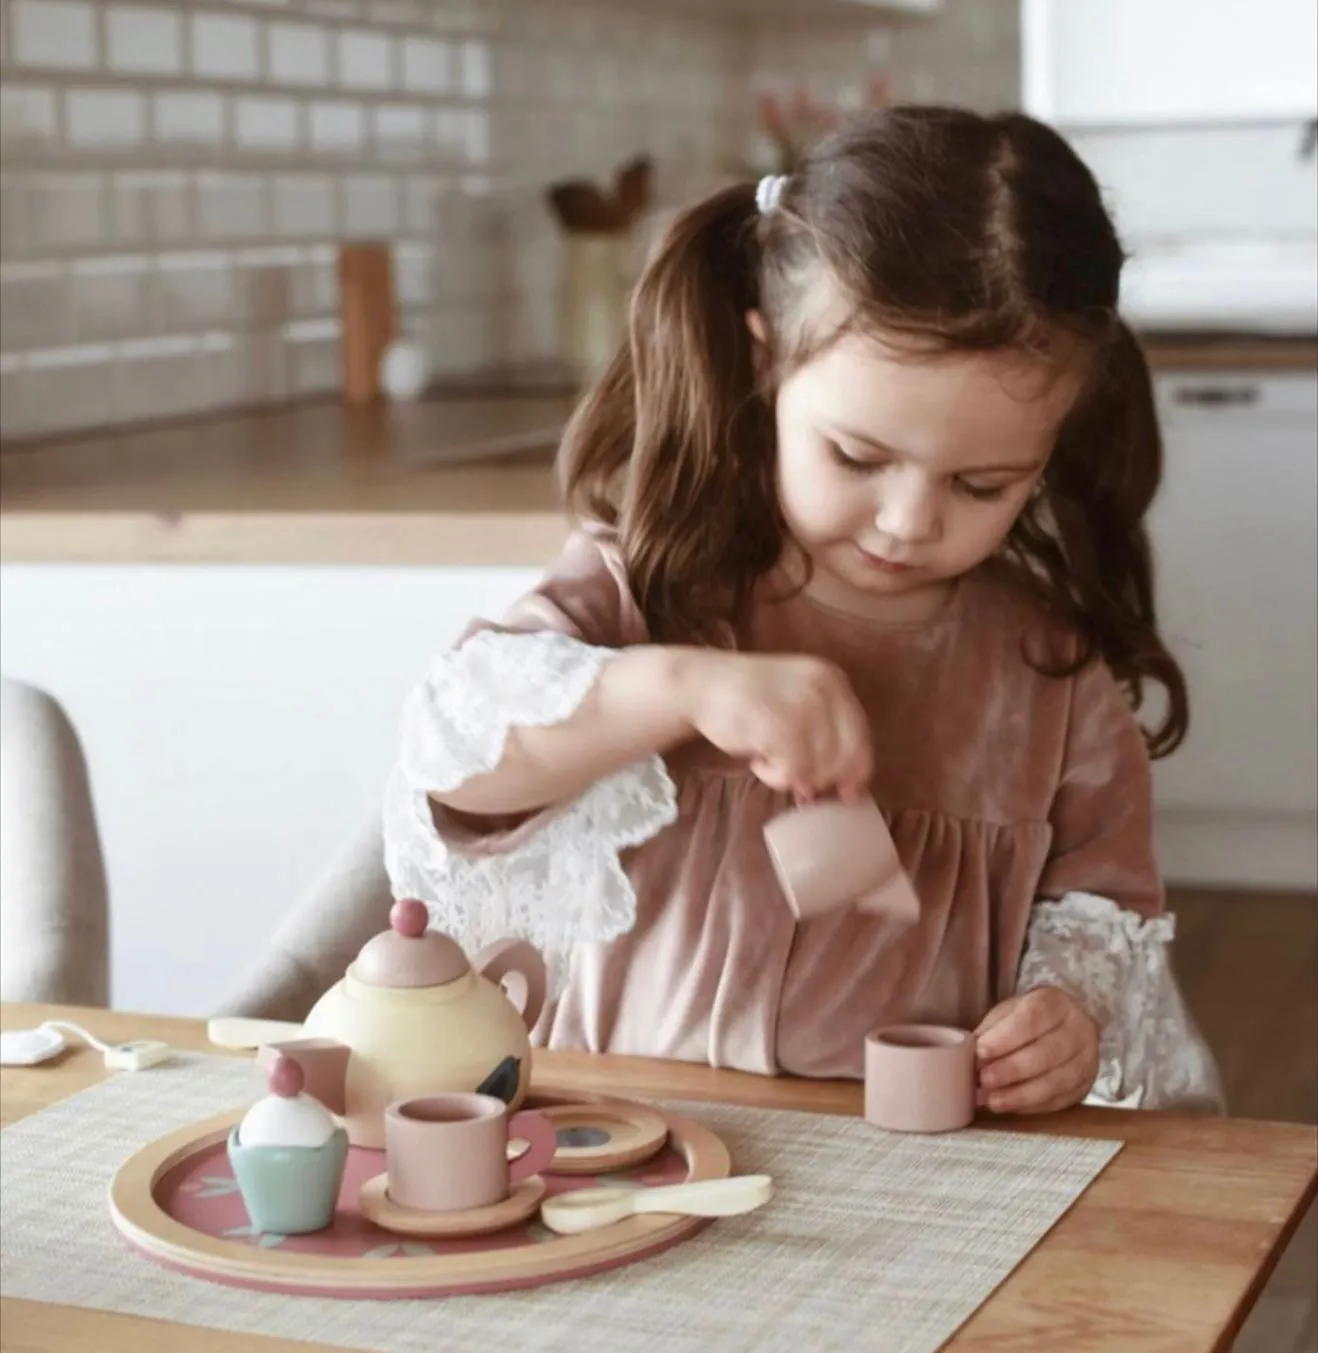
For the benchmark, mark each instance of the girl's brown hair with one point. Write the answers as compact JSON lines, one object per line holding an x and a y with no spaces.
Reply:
{"x":957,"y":232}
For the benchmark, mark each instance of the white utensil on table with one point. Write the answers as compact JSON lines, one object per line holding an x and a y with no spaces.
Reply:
{"x":585,"y":1209}
{"x":236,"y":1031}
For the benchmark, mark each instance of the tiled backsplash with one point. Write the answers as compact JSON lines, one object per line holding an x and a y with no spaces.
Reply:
{"x":177,"y":173}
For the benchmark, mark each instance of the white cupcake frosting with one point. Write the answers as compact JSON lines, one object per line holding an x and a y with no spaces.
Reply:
{"x":278,"y":1120}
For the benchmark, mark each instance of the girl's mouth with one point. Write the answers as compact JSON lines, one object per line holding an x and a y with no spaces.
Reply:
{"x":883,"y":565}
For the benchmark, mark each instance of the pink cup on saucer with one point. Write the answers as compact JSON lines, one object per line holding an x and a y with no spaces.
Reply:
{"x":833,"y":854}
{"x":920,"y":1078}
{"x":449,"y":1153}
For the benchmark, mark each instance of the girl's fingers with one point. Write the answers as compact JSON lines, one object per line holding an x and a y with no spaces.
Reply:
{"x":860,"y":769}
{"x":1017,"y":1022}
{"x":778,"y":775}
{"x":995,"y":1016}
{"x":1058,"y":1088}
{"x":845,"y":756}
{"x":1057,"y":1047}
{"x":855,"y":737}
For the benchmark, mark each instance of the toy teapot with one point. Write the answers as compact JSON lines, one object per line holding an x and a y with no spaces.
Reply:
{"x":412,"y":1016}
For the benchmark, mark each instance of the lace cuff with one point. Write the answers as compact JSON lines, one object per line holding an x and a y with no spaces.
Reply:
{"x":557,"y":879}
{"x":1115,"y":963}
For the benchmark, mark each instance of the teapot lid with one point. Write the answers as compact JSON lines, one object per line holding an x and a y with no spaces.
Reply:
{"x":409,"y":955}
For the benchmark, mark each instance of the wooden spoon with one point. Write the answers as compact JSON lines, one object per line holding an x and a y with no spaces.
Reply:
{"x":584,"y":1209}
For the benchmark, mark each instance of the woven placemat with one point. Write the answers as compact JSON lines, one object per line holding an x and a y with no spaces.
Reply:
{"x":873,"y":1241}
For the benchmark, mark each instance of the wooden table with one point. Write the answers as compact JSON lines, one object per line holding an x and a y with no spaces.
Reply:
{"x":1167,"y":1250}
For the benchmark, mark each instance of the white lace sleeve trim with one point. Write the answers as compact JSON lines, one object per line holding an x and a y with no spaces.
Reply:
{"x":1115,"y":963}
{"x":560,"y":882}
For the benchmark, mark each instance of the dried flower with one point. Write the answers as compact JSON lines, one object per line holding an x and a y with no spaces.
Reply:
{"x":794,"y":121}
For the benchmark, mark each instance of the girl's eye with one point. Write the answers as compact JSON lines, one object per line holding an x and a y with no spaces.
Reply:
{"x":847,"y":462}
{"x":981,"y":493}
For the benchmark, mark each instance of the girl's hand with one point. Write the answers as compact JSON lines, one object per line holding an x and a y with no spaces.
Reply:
{"x":1037,"y":1052}
{"x":794,"y":720}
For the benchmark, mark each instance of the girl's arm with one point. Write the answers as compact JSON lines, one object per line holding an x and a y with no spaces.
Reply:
{"x":793,"y":719}
{"x":640,"y":705}
{"x":1097,"y":930}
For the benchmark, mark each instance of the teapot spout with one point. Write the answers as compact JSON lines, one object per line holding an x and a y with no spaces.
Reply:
{"x":324,"y":1063}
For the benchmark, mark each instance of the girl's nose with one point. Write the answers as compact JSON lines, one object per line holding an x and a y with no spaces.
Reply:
{"x":909,"y":511}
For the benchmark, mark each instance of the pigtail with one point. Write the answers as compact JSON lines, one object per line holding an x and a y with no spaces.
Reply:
{"x":1084,"y":541}
{"x":674,"y":446}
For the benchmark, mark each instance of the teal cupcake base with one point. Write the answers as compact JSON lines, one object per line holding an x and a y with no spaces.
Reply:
{"x":289,"y":1190}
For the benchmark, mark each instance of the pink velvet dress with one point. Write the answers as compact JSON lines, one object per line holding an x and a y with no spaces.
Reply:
{"x":1019,"y":803}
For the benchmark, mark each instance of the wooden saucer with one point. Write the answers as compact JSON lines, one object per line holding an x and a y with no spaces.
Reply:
{"x":374,"y":1203}
{"x":597,"y":1138}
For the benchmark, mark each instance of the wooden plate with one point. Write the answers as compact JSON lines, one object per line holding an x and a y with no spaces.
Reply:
{"x":375,"y":1204}
{"x":177,"y":1202}
{"x":594,"y":1138}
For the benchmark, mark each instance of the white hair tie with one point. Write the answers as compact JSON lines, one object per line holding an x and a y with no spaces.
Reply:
{"x":769,"y":192}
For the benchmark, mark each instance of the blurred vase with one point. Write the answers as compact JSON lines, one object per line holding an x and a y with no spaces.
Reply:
{"x":594,"y":287}
{"x":403,"y":370}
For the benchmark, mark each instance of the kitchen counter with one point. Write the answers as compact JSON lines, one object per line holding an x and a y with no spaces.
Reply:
{"x":1229,"y":352}
{"x":462,"y":480}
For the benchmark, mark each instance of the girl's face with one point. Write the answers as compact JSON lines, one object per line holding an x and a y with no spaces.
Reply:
{"x":897,"y":473}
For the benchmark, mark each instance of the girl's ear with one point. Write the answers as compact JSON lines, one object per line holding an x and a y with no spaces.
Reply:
{"x":759,"y":344}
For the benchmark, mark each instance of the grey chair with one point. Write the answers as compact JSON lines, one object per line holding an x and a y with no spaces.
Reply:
{"x":54,"y":900}
{"x":316,"y":939}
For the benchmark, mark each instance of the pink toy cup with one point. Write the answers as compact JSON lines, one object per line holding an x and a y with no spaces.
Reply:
{"x":920,"y":1078}
{"x":449,"y":1153}
{"x":834,"y":854}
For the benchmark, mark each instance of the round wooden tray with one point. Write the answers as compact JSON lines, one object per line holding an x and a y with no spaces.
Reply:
{"x":177,"y":1202}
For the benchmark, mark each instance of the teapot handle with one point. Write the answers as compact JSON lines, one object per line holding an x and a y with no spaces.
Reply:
{"x":521,"y":960}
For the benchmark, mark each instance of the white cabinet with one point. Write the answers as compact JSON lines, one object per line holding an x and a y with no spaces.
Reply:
{"x":1236,"y":534}
{"x":1150,"y":61}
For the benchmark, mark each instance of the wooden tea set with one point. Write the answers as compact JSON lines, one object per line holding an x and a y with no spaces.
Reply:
{"x":399,"y":1152}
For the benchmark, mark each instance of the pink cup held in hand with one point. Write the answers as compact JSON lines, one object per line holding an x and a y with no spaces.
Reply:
{"x":920,"y":1078}
{"x":834,"y":854}
{"x":449,"y":1153}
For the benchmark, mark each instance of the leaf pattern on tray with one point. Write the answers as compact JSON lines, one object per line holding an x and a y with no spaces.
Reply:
{"x":211,"y":1186}
{"x":408,"y":1249}
{"x":264,"y":1240}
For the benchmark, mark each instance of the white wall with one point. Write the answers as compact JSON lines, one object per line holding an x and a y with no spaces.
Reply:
{"x":238,"y":722}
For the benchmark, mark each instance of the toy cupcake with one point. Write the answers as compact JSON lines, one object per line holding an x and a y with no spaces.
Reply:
{"x":288,"y":1156}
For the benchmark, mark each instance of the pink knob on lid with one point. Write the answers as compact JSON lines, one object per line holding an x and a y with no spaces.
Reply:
{"x":409,"y":918}
{"x":286,"y":1078}
{"x":409,"y":953}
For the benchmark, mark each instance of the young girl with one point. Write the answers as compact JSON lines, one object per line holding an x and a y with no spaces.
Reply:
{"x":862,"y":509}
